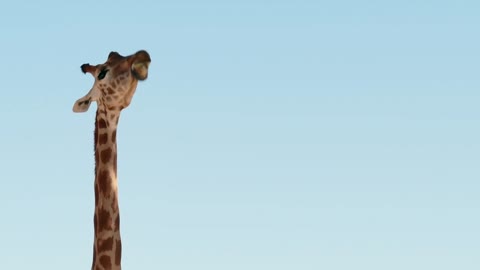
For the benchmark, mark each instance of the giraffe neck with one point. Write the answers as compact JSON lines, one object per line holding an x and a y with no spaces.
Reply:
{"x":107,"y":248}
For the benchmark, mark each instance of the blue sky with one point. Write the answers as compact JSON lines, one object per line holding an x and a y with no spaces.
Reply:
{"x":269,"y":135}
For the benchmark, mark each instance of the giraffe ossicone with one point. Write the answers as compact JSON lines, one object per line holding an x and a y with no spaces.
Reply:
{"x":115,"y":84}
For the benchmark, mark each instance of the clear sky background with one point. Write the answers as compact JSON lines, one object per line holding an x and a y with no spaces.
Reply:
{"x":280,"y":135}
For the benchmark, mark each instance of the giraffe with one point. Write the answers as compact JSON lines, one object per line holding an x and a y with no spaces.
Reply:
{"x":115,"y":83}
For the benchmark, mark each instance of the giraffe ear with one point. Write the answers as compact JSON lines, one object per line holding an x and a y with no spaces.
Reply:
{"x":141,"y":61}
{"x":82,"y":104}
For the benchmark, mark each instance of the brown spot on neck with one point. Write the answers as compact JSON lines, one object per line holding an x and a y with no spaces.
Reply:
{"x":114,"y":136}
{"x":104,"y":220}
{"x":104,"y":184}
{"x":118,"y":252}
{"x":106,"y":155}
{"x":103,"y":138}
{"x":106,"y":262}
{"x":102,"y":123}
{"x":105,"y":245}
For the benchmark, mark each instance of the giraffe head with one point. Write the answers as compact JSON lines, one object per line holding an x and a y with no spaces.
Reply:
{"x":115,"y":80}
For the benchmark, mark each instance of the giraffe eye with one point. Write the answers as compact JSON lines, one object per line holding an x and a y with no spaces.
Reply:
{"x":102,"y":74}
